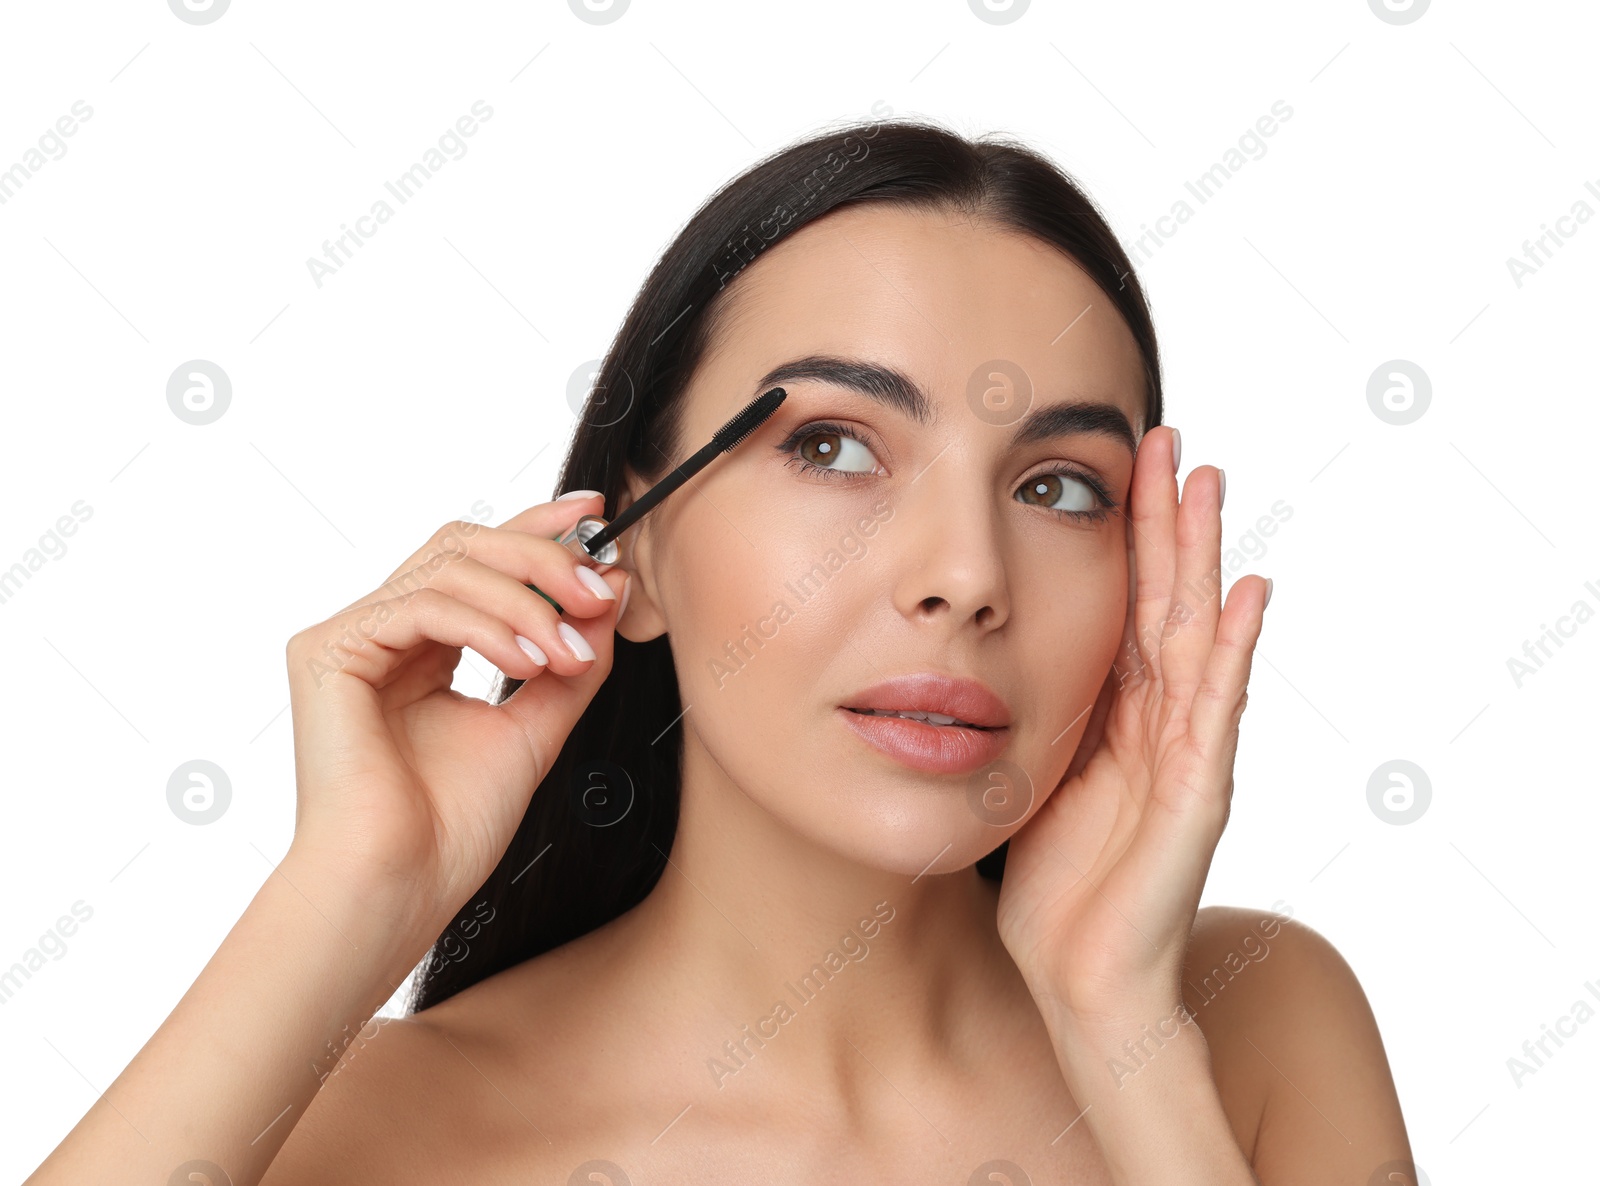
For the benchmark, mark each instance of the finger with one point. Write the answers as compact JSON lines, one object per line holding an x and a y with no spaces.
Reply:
{"x":551,"y":517}
{"x":523,"y":560}
{"x":419,"y":671}
{"x":508,"y":599}
{"x":372,"y":642}
{"x":1129,"y":665}
{"x":1153,"y":513}
{"x":1191,"y":627}
{"x":1090,"y":741}
{"x":547,"y":520}
{"x":548,"y":708}
{"x":1186,"y":813}
{"x":551,"y":520}
{"x":1219,"y":698}
{"x":529,"y":558}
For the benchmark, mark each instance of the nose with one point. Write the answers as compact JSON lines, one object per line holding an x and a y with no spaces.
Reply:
{"x":952,"y":567}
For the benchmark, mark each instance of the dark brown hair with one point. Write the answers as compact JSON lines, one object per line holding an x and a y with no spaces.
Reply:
{"x":568,"y":870}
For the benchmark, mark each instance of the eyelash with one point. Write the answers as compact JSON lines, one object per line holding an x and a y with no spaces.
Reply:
{"x":820,"y":427}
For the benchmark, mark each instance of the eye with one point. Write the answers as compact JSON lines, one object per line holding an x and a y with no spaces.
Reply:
{"x":1082,"y":497}
{"x":829,"y":450}
{"x":833,"y":451}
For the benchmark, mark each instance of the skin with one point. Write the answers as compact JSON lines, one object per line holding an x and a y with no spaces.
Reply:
{"x":933,"y":1054}
{"x":969,"y":1023}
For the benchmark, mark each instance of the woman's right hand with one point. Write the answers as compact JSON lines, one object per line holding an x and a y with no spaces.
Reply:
{"x":405,"y":784}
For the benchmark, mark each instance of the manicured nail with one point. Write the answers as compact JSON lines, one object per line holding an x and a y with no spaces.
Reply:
{"x":596,"y":586}
{"x":1177,"y":449}
{"x":578,"y":494}
{"x":627,"y":591}
{"x":1268,"y":597}
{"x":1222,"y":487}
{"x":532,"y":649}
{"x":576,"y":643}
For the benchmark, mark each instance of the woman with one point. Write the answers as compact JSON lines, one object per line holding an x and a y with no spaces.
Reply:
{"x":698,"y":910}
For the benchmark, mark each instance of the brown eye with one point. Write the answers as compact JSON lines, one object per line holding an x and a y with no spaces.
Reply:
{"x":1069,"y":495}
{"x":821,"y":448}
{"x":1045,"y":489}
{"x":835,"y":452}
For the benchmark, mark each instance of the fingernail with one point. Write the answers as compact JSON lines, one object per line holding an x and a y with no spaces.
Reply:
{"x":578,"y":494}
{"x":597,"y":586}
{"x":576,"y":643}
{"x":1177,"y":449}
{"x":1268,"y":597}
{"x":532,"y":649}
{"x":1222,"y":487}
{"x":627,"y":591}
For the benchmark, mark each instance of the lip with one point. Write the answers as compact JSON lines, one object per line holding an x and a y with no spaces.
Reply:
{"x":928,"y":691}
{"x":936,"y":749}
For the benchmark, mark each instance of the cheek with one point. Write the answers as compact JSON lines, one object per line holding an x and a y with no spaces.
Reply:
{"x":762,"y":628}
{"x":1075,"y":621}
{"x":737,"y":627}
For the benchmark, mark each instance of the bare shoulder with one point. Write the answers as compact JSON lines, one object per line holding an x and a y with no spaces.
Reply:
{"x":383,"y":1111}
{"x":1295,"y":1048}
{"x":493,"y":1079}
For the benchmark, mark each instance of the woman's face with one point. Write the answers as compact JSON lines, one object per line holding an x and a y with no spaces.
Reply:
{"x":888,"y":543}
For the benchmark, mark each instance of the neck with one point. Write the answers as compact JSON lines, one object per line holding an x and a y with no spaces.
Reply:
{"x":793,"y":967}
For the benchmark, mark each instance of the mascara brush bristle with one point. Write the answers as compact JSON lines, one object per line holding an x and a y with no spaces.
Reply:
{"x":751,"y":418}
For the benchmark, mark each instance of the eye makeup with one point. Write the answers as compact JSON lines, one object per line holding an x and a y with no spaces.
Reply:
{"x":1105,"y":508}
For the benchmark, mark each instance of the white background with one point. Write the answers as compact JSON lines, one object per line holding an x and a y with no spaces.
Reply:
{"x":430,"y":374}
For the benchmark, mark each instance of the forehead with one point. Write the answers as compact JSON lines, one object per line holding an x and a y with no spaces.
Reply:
{"x":935,"y":293}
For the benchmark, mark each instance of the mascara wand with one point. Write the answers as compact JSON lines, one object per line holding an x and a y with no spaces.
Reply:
{"x":593,"y":539}
{"x":726,"y":438}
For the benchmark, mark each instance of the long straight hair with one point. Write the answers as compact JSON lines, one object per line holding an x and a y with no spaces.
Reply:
{"x":567,"y":871}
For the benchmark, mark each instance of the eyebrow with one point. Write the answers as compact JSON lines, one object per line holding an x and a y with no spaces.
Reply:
{"x":897,"y":390}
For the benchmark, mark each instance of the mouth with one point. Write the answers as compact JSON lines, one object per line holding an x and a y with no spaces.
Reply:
{"x":931,"y":721}
{"x":932,"y":718}
{"x":940,"y":745}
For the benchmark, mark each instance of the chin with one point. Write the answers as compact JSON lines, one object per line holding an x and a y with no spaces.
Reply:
{"x":935,"y":834}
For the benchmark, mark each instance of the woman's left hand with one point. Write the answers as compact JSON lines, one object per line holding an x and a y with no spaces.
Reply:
{"x":1102,"y":884}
